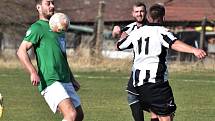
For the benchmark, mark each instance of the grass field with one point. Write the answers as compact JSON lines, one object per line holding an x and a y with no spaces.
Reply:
{"x":103,"y":96}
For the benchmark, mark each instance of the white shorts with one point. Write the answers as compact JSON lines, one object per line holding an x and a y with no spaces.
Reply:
{"x":57,"y":92}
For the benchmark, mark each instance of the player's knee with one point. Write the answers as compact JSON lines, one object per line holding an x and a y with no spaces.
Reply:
{"x":153,"y":115}
{"x":73,"y":115}
{"x":70,"y":116}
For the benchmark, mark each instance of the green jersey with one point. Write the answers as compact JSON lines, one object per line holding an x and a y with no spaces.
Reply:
{"x":50,"y":50}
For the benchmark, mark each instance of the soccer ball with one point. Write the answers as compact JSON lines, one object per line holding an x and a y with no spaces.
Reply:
{"x":59,"y":22}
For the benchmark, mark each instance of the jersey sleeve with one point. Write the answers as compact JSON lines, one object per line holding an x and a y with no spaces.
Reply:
{"x":167,"y":38}
{"x":126,"y":43}
{"x":129,"y":28}
{"x":33,"y":34}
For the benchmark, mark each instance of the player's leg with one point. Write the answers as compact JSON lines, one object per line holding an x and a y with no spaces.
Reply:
{"x":159,"y":98}
{"x":67,"y":109}
{"x":154,"y":117}
{"x":164,"y":118}
{"x":137,"y":111}
{"x":75,"y":99}
{"x":1,"y":105}
{"x":167,"y":118}
{"x":69,"y":113}
{"x":80,"y":114}
{"x":65,"y":99}
{"x":60,"y":100}
{"x":163,"y":105}
{"x":167,"y":104}
{"x":133,"y":101}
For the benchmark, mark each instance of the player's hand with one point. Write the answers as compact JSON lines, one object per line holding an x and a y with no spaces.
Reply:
{"x":199,"y":53}
{"x":35,"y":79}
{"x":116,"y":32}
{"x":123,"y":35}
{"x":76,"y":85}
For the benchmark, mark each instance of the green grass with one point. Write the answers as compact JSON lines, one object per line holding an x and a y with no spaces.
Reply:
{"x":103,"y":96}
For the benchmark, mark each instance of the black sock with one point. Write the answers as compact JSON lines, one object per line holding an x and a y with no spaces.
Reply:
{"x":137,"y":112}
{"x":154,"y":119}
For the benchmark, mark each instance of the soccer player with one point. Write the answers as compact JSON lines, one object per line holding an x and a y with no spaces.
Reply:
{"x":54,"y":78}
{"x":139,"y":14}
{"x":150,"y":75}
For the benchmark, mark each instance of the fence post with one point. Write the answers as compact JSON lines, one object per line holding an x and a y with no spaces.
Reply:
{"x":96,"y":41}
{"x":100,"y":27}
{"x":202,"y":35}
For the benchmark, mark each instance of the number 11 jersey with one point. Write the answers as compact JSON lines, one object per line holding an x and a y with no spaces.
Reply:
{"x":150,"y":44}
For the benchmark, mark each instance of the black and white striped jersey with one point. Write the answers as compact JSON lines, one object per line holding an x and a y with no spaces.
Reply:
{"x":130,"y":27}
{"x":150,"y":45}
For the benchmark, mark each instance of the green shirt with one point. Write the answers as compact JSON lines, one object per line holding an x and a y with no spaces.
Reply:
{"x":50,"y":50}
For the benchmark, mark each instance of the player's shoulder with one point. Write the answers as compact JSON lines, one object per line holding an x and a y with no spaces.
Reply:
{"x":130,"y":27}
{"x":157,"y":26}
{"x":145,"y":28}
{"x":36,"y":25}
{"x":140,"y":32}
{"x":132,"y":24}
{"x":163,"y":28}
{"x":34,"y":29}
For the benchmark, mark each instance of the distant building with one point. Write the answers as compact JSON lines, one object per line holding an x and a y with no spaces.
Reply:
{"x":186,"y":15}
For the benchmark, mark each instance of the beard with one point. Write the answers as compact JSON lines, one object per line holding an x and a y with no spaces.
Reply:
{"x":48,"y":14}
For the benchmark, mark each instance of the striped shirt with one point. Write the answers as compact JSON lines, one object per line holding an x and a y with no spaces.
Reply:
{"x":150,"y":44}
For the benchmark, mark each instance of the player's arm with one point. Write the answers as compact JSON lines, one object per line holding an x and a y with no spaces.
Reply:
{"x":119,"y":33}
{"x":116,"y":33}
{"x":25,"y":60}
{"x":183,"y":47}
{"x":126,"y":42}
{"x":123,"y":35}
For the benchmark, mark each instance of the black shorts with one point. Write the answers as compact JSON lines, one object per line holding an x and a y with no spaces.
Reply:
{"x":130,"y":87}
{"x":157,"y":97}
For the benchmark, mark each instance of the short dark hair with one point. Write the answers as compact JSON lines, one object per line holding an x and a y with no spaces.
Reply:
{"x":38,"y":1}
{"x":139,"y":4}
{"x":157,"y":11}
